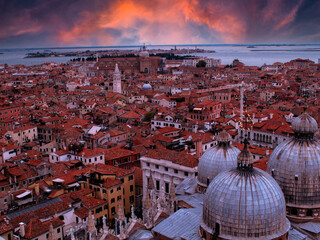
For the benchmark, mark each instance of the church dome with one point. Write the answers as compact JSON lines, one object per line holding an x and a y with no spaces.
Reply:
{"x":144,"y":54}
{"x":304,"y":124}
{"x":221,"y":157}
{"x":146,"y":87}
{"x":244,"y":203}
{"x":295,"y":165}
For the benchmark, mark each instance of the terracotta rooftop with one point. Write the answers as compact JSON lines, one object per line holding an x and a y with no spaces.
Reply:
{"x":36,"y":227}
{"x":111,"y":170}
{"x":180,"y":158}
{"x":90,"y":202}
{"x":117,"y":152}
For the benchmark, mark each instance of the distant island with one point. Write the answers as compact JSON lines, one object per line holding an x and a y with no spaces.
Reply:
{"x":47,"y":54}
{"x":113,"y":53}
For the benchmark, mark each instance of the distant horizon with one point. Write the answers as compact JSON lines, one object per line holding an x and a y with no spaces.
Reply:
{"x":165,"y":45}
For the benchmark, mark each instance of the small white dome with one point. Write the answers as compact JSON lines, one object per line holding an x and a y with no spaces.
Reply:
{"x":146,"y":86}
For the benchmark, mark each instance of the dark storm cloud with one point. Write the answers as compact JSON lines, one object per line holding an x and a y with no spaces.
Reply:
{"x":38,"y":23}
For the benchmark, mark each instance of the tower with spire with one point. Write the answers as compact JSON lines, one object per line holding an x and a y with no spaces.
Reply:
{"x":117,"y":80}
{"x":92,"y":231}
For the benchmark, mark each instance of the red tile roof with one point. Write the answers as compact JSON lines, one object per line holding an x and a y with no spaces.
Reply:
{"x":111,"y":170}
{"x":91,"y":152}
{"x":72,"y":197}
{"x":43,"y":212}
{"x":180,"y":158}
{"x":90,"y":202}
{"x":108,"y":183}
{"x":36,"y":227}
{"x":81,"y":212}
{"x":131,"y":115}
{"x":4,"y":227}
{"x":117,"y":152}
{"x":168,"y":129}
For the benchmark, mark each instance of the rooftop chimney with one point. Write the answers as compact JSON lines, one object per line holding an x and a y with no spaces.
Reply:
{"x":22,"y":231}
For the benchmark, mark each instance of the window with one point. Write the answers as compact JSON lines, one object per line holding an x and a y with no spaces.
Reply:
{"x":118,"y":188}
{"x":157,"y":166}
{"x":98,"y":210}
{"x":113,"y":210}
{"x":148,"y":164}
{"x":186,"y":174}
{"x":131,"y":198}
{"x":104,"y":191}
{"x":157,"y":184}
{"x":111,"y":191}
{"x":105,"y":207}
{"x":130,"y":178}
{"x":167,"y":187}
{"x":175,"y":171}
{"x":166,"y":169}
{"x":118,"y":198}
{"x":58,"y":230}
{"x":112,"y":200}
{"x":131,"y":188}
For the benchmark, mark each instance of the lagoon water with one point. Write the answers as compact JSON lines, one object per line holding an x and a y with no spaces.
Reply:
{"x":251,"y":55}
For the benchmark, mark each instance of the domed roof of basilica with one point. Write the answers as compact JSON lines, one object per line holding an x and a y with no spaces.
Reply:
{"x":304,"y":124}
{"x":144,"y":53}
{"x":244,"y":203}
{"x":295,"y":164}
{"x":219,"y":158}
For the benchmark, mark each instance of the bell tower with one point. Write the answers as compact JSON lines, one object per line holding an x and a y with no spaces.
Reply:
{"x":117,"y":80}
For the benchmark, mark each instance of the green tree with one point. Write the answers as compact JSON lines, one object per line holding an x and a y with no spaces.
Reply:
{"x":201,"y":64}
{"x":148,"y":116}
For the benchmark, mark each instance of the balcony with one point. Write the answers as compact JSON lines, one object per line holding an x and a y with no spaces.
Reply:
{"x":96,"y":182}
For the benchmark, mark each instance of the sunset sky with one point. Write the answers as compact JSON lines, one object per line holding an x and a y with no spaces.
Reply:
{"x":62,"y":23}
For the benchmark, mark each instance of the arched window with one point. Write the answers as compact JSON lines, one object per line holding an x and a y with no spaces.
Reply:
{"x":294,"y":211}
{"x":217,"y":229}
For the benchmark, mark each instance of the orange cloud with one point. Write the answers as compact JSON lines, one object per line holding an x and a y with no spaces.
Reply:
{"x":130,"y":22}
{"x":159,"y":22}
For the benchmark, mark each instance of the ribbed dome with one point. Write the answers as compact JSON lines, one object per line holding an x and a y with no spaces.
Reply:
{"x":219,"y":158}
{"x":295,"y":165}
{"x":244,"y":205}
{"x":304,"y":124}
{"x":224,"y":136}
{"x":245,"y":158}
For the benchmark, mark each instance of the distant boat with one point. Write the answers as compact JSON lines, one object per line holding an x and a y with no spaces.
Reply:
{"x":251,"y":47}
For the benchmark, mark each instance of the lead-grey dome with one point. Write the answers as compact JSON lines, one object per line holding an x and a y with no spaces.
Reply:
{"x":295,"y":165}
{"x":304,"y":124}
{"x":219,"y":158}
{"x":244,"y":203}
